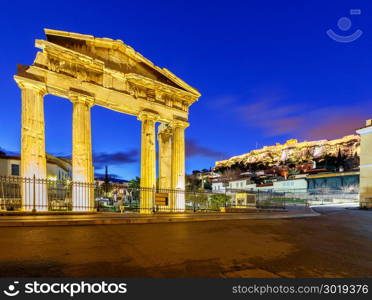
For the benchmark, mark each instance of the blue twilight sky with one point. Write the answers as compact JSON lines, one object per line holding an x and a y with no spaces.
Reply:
{"x":267,"y":71}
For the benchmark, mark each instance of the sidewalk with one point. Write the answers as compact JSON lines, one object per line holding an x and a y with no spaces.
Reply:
{"x":106,"y":218}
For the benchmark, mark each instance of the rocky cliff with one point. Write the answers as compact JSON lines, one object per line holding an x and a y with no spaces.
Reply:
{"x":344,"y":150}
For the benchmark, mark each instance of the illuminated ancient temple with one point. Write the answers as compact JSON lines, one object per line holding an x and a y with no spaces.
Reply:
{"x":100,"y":71}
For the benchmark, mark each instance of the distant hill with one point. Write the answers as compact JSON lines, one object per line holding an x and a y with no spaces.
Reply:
{"x":344,"y":151}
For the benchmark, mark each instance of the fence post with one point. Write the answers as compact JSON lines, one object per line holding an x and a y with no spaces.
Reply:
{"x":34,"y":194}
{"x":3,"y":206}
{"x":194,"y":201}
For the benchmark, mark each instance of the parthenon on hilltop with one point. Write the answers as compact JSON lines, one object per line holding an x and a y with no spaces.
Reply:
{"x":100,"y":71}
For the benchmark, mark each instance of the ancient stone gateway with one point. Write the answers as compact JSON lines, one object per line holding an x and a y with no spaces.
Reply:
{"x":100,"y":71}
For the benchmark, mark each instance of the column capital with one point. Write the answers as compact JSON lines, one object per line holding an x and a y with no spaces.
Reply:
{"x":80,"y":98}
{"x":165,"y":129}
{"x":180,"y":124}
{"x":27,"y":83}
{"x":148,"y":115}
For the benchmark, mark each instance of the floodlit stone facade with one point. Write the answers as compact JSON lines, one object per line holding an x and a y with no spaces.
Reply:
{"x":366,"y":165}
{"x":100,"y":71}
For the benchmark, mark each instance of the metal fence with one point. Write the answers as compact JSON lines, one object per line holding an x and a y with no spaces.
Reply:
{"x":304,"y":197}
{"x":166,"y":200}
{"x":32,"y":194}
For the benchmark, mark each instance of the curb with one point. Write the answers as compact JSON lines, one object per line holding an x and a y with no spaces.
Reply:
{"x":150,"y":220}
{"x":46,"y":213}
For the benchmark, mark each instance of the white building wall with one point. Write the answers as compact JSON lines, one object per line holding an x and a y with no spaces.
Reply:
{"x":6,"y":166}
{"x":218,"y":187}
{"x":3,"y":167}
{"x":238,"y":184}
{"x":299,"y":185}
{"x":54,"y":171}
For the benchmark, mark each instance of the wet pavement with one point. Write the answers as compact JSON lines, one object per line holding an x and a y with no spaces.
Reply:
{"x":338,"y":243}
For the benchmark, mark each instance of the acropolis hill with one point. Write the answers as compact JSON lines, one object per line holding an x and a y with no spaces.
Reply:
{"x":345,"y":149}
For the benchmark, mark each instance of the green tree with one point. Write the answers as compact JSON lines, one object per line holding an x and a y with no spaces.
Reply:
{"x":219,"y":200}
{"x":134,"y":188}
{"x":207,"y":185}
{"x":192,"y":182}
{"x":135,"y":183}
{"x":197,"y":200}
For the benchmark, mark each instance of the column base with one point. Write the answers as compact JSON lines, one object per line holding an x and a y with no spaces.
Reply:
{"x":146,"y":201}
{"x":82,"y":196}
{"x":34,"y":196}
{"x":365,"y":205}
{"x":179,"y":202}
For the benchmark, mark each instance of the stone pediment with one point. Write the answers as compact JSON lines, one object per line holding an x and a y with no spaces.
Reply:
{"x":116,"y":56}
{"x":108,"y":71}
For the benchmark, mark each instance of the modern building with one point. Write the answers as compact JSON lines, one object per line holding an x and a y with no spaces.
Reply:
{"x":340,"y":181}
{"x":365,"y":197}
{"x":345,"y":181}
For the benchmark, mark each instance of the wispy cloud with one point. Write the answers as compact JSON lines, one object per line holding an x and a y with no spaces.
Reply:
{"x":194,"y":149}
{"x":117,"y":158}
{"x":274,"y":116}
{"x":333,"y":122}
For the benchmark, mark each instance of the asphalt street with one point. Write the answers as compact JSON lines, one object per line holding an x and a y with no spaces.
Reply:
{"x":338,"y":243}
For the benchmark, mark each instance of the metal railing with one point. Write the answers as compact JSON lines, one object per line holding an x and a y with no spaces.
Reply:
{"x":298,"y":197}
{"x":33,"y":194}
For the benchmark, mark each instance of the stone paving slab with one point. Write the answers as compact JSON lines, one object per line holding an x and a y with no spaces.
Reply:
{"x":132,"y":218}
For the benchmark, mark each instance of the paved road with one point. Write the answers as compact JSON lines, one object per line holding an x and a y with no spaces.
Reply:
{"x":336,"y":244}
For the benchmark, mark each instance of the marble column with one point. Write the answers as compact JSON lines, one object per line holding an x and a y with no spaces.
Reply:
{"x":33,"y":158}
{"x":148,"y":161}
{"x":178,"y":165}
{"x":365,"y":185}
{"x":165,"y":156}
{"x":82,"y":163}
